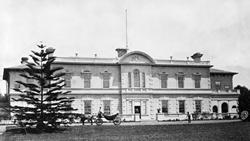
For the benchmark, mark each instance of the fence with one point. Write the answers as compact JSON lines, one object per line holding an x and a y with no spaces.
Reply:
{"x":197,"y":116}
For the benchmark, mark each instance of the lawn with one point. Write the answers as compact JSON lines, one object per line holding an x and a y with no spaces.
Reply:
{"x":234,"y":131}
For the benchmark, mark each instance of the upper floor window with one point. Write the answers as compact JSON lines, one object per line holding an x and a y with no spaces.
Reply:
{"x":182,"y":106}
{"x":136,"y":78}
{"x":67,"y":78}
{"x":106,"y":104}
{"x":227,"y":88}
{"x":143,"y":80}
{"x":180,"y":79}
{"x":87,"y":79}
{"x":129,"y":80}
{"x":164,"y":106}
{"x":197,"y":81}
{"x":217,"y":85}
{"x":164,"y":78}
{"x":198,"y":106}
{"x":106,"y":79}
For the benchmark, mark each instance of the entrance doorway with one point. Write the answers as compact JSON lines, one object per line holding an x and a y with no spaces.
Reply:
{"x":138,"y":111}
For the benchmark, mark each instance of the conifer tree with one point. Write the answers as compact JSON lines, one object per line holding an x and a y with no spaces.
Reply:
{"x":244,"y":102}
{"x":44,"y":103}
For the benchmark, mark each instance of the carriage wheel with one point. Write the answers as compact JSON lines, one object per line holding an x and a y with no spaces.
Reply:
{"x":117,"y":121}
{"x":99,"y":122}
{"x":244,"y":115}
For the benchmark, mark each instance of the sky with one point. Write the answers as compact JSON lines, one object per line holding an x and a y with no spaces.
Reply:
{"x":161,"y":28}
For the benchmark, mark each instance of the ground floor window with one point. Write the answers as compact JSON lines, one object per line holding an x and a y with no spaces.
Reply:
{"x":87,"y":107}
{"x":164,"y":106}
{"x":129,"y":107}
{"x":198,"y":106}
{"x":106,"y":104}
{"x":224,"y":107}
{"x":182,"y":106}
{"x":143,"y":108}
{"x":215,"y":109}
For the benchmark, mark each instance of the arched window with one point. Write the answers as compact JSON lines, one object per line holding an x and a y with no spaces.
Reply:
{"x":215,"y":109}
{"x":136,"y":78}
{"x":224,"y":107}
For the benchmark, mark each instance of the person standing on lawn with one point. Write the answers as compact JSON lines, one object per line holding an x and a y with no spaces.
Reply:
{"x":189,"y":117}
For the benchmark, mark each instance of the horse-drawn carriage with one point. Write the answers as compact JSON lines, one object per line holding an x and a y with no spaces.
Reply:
{"x":99,"y":119}
{"x":114,"y":118}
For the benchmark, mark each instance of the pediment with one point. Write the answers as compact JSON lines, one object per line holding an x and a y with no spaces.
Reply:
{"x":136,"y":57}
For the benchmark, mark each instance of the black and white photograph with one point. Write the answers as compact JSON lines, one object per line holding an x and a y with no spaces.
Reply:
{"x":124,"y":70}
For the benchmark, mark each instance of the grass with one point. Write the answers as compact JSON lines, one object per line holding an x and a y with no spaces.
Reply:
{"x":235,"y":131}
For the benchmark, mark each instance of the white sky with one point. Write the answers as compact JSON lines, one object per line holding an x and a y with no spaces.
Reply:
{"x":220,"y":29}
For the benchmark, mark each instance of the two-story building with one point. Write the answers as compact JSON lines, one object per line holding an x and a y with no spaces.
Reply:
{"x":140,"y":87}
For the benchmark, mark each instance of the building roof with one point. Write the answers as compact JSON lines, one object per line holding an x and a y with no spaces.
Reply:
{"x":97,"y":60}
{"x":129,"y":58}
{"x":217,"y":71}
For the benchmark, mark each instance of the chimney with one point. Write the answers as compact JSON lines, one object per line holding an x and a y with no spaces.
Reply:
{"x":24,"y":60}
{"x":197,"y":57}
{"x":121,"y":51}
{"x":51,"y":51}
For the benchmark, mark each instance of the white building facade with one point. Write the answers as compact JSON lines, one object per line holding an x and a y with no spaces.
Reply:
{"x":142,"y":88}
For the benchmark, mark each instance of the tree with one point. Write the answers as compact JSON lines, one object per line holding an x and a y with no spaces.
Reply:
{"x":44,"y":102}
{"x":244,"y":102}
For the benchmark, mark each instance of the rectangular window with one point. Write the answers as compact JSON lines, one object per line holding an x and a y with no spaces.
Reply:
{"x":143,"y":108}
{"x":198,"y":106}
{"x":87,"y":107}
{"x":197,"y":81}
{"x":106,"y":104}
{"x":164,"y":105}
{"x":106,"y":79}
{"x":181,"y":106}
{"x":129,"y":80}
{"x":130,"y":109}
{"x":67,"y":79}
{"x":217,"y":86}
{"x":164,"y":78}
{"x":143,"y":80}
{"x":106,"y":83}
{"x":227,"y":88}
{"x":136,"y":78}
{"x":87,"y":78}
{"x":181,"y":81}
